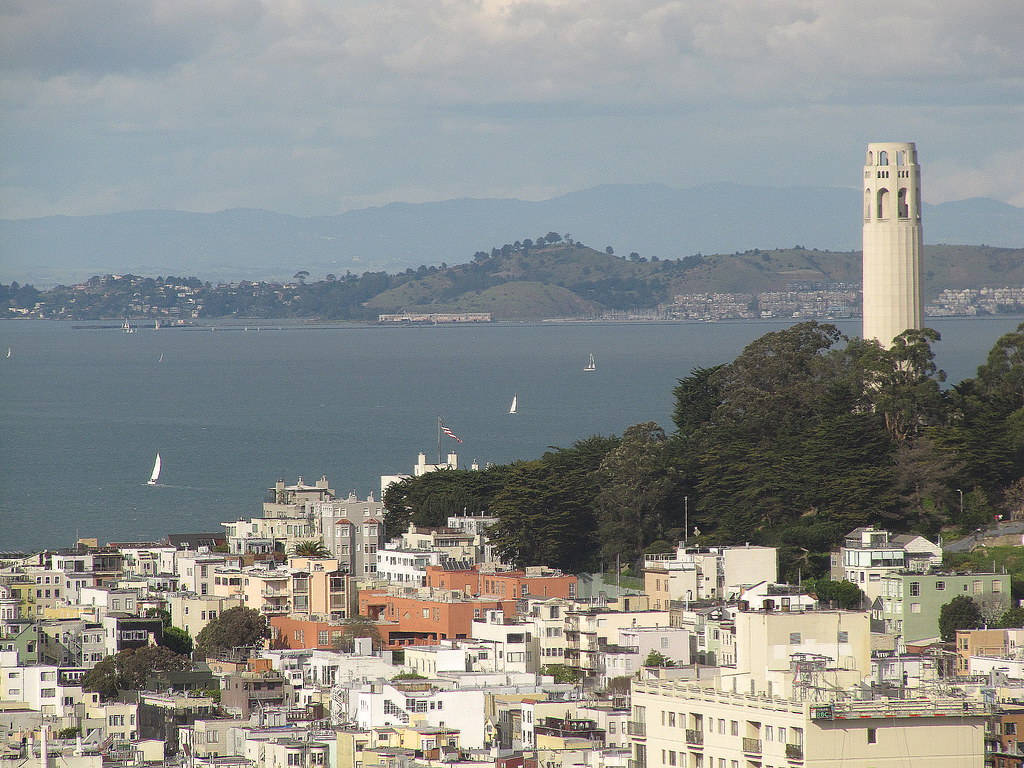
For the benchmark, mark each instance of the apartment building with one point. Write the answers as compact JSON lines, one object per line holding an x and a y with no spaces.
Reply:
{"x":868,"y":554}
{"x":413,"y":617}
{"x":1005,"y":643}
{"x":910,"y":603}
{"x":475,"y":580}
{"x":686,"y":725}
{"x":352,"y":529}
{"x":705,"y":573}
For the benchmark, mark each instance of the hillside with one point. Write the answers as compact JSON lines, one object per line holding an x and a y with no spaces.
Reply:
{"x":516,"y":281}
{"x":602,"y":281}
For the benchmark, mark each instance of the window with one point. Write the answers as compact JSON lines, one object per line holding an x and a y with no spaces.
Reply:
{"x":872,"y":736}
{"x":782,"y":735}
{"x":672,"y":719}
{"x":794,"y":638}
{"x":721,"y":726}
{"x":997,"y":586}
{"x":769,"y":733}
{"x":48,"y":693}
{"x":978,"y":587}
{"x":915,"y":607}
{"x":844,"y":637}
{"x":915,"y":588}
{"x":321,"y":637}
{"x":211,"y":737}
{"x":940,"y":586}
{"x":734,"y":728}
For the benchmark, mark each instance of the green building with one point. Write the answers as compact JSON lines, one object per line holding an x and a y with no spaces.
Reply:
{"x":909,"y":604}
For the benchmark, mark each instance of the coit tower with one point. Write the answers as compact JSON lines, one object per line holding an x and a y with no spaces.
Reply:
{"x":893,"y":245}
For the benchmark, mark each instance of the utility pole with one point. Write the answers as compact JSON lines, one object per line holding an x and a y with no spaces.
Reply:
{"x":686,"y":519}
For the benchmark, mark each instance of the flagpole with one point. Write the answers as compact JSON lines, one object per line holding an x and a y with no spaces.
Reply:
{"x":439,"y":440}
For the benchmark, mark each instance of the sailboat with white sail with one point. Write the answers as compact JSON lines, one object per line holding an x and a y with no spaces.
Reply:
{"x":515,"y":404}
{"x":156,"y":471}
{"x":591,"y":366}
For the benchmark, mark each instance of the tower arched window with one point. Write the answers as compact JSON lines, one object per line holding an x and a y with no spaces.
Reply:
{"x":867,"y":203}
{"x":871,"y":158}
{"x":883,"y":203}
{"x":883,"y":158}
{"x":901,"y":204}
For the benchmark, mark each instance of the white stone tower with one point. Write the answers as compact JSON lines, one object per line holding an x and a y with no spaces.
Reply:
{"x":893,"y":244}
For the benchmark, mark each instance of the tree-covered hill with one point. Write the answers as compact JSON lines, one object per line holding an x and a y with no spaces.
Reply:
{"x":804,"y":436}
{"x":552,"y":276}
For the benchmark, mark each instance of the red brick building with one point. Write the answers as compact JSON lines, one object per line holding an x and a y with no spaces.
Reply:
{"x":509,"y":585}
{"x":408,"y":620}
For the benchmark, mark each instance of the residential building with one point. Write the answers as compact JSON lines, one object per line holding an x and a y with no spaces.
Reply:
{"x":1004,"y":643}
{"x":511,"y":584}
{"x":322,"y":587}
{"x":867,"y":554}
{"x":910,"y":603}
{"x":352,"y":529}
{"x":426,"y":616}
{"x":686,"y":724}
{"x":704,"y":573}
{"x":779,"y":650}
{"x":513,"y":646}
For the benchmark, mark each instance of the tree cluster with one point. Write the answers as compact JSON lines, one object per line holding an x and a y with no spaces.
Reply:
{"x":128,"y":670}
{"x":234,"y":628}
{"x":803,"y":437}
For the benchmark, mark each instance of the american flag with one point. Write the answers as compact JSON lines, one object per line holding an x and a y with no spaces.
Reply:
{"x":451,"y":434}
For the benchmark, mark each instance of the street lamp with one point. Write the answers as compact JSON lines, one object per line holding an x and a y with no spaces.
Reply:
{"x":961,"y":503}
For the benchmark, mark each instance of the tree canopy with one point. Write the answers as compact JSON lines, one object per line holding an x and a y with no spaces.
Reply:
{"x":128,"y":670}
{"x":804,"y":436}
{"x":959,"y":613}
{"x":234,"y":628}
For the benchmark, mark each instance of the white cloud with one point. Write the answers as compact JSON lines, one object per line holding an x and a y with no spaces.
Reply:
{"x":370,"y":98}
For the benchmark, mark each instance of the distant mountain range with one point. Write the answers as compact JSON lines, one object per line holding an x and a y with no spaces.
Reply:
{"x":653,"y":220}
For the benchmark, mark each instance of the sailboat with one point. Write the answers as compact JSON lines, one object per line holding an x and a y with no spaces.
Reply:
{"x":515,"y":404}
{"x":9,"y":353}
{"x":591,"y":365}
{"x":161,"y":358}
{"x":156,"y":471}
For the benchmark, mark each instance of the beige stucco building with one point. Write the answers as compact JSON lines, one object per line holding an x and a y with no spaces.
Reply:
{"x":684,"y":725}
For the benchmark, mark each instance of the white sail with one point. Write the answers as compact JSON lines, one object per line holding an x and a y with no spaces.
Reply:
{"x":161,"y":358}
{"x":591,"y":365}
{"x":515,"y":404}
{"x":8,"y":352}
{"x":156,"y":471}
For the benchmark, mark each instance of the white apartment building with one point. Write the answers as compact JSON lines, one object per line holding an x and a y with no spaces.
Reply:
{"x":705,"y":573}
{"x":405,"y":567}
{"x":386,"y":704}
{"x":195,"y":569}
{"x":868,"y":555}
{"x":684,"y":725}
{"x":48,"y":689}
{"x":512,"y":642}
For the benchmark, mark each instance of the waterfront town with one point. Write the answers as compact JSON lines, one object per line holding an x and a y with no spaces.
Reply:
{"x":308,"y":635}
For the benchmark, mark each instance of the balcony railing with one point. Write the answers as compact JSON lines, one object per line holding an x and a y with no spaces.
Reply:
{"x":752,"y":746}
{"x":795,"y":751}
{"x":636,"y":728}
{"x":694,"y":736}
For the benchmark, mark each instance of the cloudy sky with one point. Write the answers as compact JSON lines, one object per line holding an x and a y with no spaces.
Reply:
{"x":310,"y":107}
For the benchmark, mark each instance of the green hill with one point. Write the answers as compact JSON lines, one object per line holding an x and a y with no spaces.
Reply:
{"x":604,"y":281}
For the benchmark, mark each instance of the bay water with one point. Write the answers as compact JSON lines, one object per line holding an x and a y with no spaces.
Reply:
{"x":83,"y":412}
